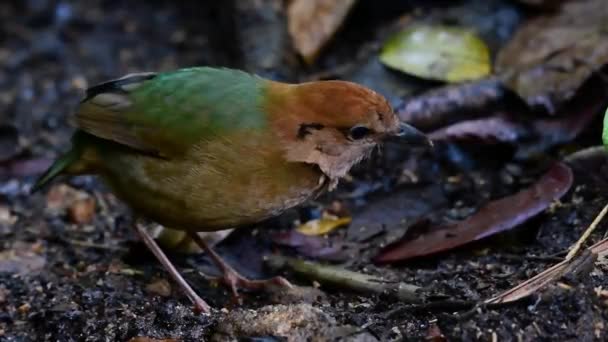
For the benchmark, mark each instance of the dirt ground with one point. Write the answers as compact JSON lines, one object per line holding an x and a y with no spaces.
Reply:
{"x":65,"y":281}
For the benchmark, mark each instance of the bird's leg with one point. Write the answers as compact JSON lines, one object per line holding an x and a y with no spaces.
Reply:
{"x":199,"y":304}
{"x":234,"y":279}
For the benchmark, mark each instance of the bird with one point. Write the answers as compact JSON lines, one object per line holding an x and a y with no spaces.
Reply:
{"x":203,"y":149}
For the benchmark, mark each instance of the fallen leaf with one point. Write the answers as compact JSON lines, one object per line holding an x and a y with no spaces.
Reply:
{"x":324,"y":225}
{"x":495,"y":217}
{"x":494,"y":129}
{"x":451,"y":54}
{"x":312,"y":23}
{"x":533,"y":135}
{"x":551,"y":56}
{"x":445,"y":105}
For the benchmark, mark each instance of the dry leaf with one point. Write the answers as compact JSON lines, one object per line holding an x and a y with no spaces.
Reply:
{"x":323,"y":225}
{"x":495,"y":217}
{"x":312,"y":23}
{"x":551,"y":56}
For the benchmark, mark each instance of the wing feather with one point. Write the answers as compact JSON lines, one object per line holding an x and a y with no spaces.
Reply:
{"x":165,"y":114}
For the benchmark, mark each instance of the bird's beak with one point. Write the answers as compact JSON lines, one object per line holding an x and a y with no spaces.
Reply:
{"x":412,"y":136}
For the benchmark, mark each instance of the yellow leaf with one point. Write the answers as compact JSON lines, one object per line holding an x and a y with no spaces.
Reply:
{"x":323,"y":225}
{"x":450,"y":54}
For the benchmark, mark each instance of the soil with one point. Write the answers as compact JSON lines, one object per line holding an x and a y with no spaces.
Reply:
{"x":65,"y":276}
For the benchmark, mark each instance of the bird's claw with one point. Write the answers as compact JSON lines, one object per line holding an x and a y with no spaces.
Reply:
{"x":236,"y":281}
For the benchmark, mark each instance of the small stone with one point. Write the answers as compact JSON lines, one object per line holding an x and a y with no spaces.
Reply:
{"x":82,"y":211}
{"x":160,"y":287}
{"x":24,"y":309}
{"x":6,"y":217}
{"x":3,"y":294}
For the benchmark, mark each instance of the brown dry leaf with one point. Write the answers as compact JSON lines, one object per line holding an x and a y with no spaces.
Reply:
{"x":312,"y":23}
{"x":551,"y":56}
{"x":495,"y":217}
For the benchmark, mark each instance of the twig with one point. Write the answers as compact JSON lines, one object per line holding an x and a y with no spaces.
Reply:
{"x":577,"y":246}
{"x":87,"y":244}
{"x":573,"y":266}
{"x":340,"y":277}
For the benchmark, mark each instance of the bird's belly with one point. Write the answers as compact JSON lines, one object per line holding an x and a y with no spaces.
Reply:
{"x":192,"y":196}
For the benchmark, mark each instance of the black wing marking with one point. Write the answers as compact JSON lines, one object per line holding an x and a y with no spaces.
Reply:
{"x":118,"y":85}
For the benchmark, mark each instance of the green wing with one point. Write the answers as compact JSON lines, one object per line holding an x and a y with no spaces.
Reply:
{"x":166,"y":113}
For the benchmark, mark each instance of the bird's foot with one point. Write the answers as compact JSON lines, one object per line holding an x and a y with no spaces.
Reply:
{"x":234,"y":279}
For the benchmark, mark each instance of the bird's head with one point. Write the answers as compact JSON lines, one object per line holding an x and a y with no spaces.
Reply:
{"x":334,"y":124}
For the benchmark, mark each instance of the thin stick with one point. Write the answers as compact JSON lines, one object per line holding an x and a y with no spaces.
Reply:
{"x":340,"y":277}
{"x":587,"y":233}
{"x":539,"y":281}
{"x":199,"y":304}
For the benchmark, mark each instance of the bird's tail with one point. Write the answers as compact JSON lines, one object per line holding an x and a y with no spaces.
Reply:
{"x":59,"y":166}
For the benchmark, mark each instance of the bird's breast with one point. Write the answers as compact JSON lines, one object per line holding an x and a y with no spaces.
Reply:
{"x":219,"y":184}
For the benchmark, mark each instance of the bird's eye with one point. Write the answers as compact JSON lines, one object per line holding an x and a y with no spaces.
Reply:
{"x":358,"y":132}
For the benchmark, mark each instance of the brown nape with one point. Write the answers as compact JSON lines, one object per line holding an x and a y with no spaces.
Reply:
{"x":297,"y":110}
{"x":314,"y":123}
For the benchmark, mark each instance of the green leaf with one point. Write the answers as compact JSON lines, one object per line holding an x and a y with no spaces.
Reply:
{"x":450,"y":54}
